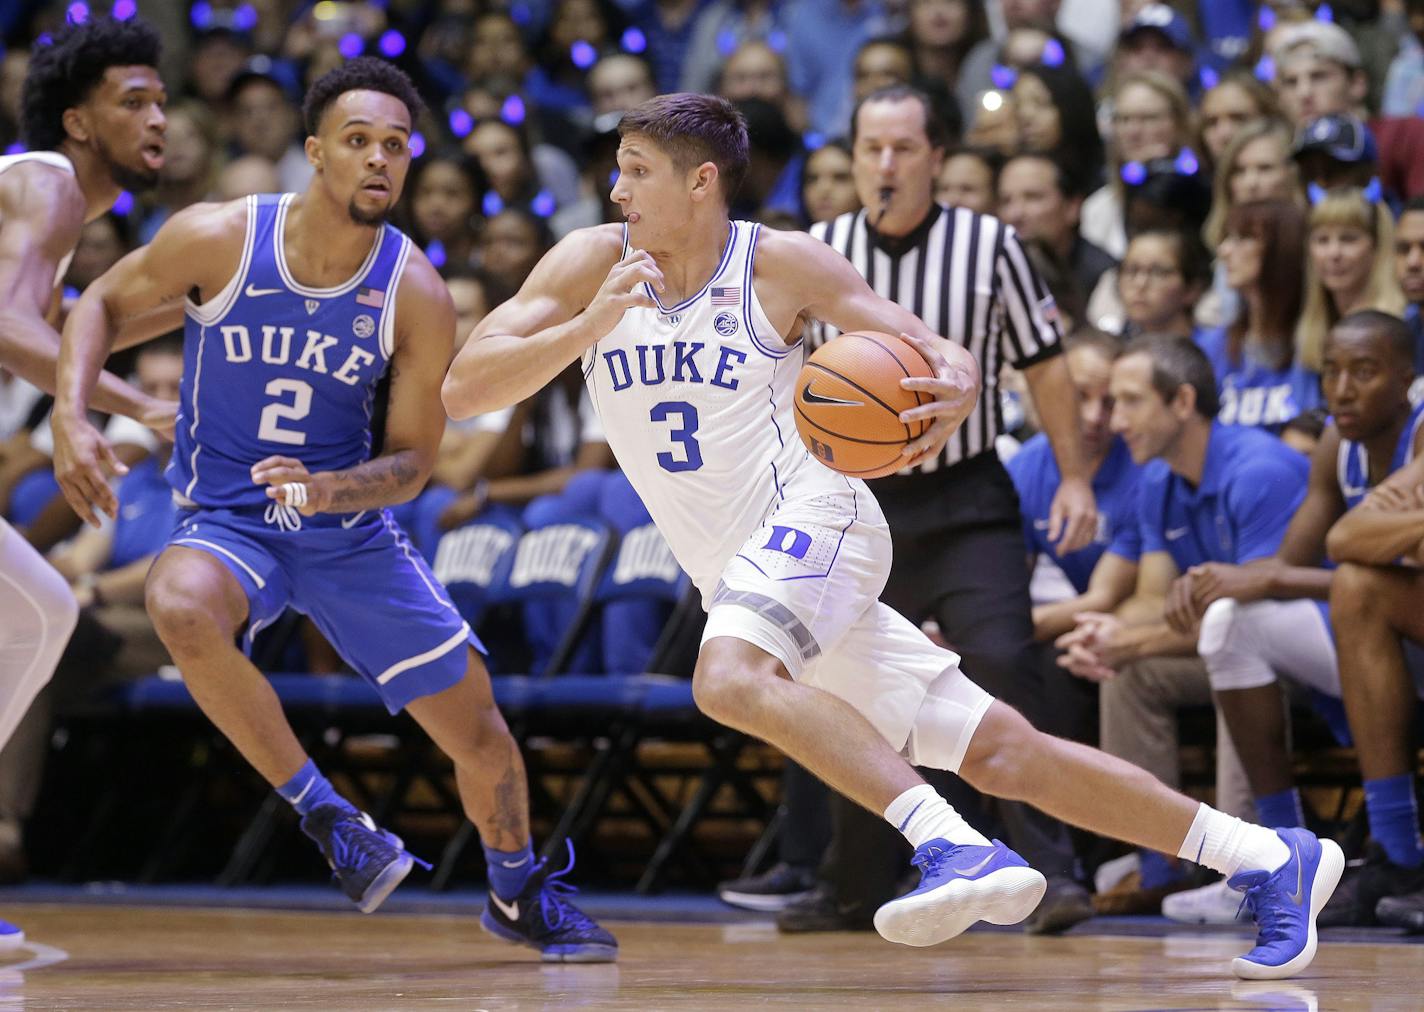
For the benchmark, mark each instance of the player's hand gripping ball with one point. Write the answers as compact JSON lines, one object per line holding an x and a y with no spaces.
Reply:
{"x":849,"y":399}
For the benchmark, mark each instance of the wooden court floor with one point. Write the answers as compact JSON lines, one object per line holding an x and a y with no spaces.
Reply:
{"x":106,"y":957}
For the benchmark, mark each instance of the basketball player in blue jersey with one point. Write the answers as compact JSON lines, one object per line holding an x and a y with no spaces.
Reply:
{"x":297,"y":305}
{"x":93,"y":119}
{"x":687,"y":325}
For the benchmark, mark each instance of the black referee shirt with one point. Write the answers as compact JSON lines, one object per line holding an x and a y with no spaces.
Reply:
{"x":967,"y":276}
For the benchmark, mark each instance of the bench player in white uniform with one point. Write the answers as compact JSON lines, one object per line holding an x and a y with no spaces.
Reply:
{"x":687,"y":325}
{"x":93,"y":116}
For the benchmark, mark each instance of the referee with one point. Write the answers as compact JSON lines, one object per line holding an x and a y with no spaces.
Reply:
{"x":954,"y":520}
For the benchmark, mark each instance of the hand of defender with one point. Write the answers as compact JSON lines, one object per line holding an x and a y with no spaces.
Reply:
{"x":622,"y":290}
{"x":290,"y":483}
{"x":84,"y":461}
{"x":955,"y":389}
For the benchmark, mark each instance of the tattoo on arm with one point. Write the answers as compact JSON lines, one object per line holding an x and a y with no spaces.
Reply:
{"x":389,"y":479}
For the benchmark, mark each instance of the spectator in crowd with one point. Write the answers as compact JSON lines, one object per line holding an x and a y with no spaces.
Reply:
{"x":668,"y":26}
{"x":976,"y":74}
{"x":1055,"y":113}
{"x":445,"y":189}
{"x":1319,"y":72}
{"x":578,"y":32}
{"x":217,"y":56}
{"x":827,"y":186}
{"x":1409,"y":272}
{"x":941,"y":34}
{"x":190,"y":165}
{"x":618,"y":82}
{"x":822,"y":39}
{"x":1336,"y":150}
{"x":1039,"y":199}
{"x":756,"y":70}
{"x":14,"y":65}
{"x":1261,"y":380}
{"x":968,"y":177}
{"x":505,"y":153}
{"x":1404,"y":84}
{"x":1255,"y":165}
{"x":1237,"y":101}
{"x":1158,"y":40}
{"x":770,"y":190}
{"x":1162,"y":275}
{"x":1265,"y":621}
{"x":722,"y":29}
{"x":1350,"y":243}
{"x":265,"y":122}
{"x":1151,"y":120}
{"x":246,"y":175}
{"x":499,"y":50}
{"x":511,"y":243}
{"x":102,"y":243}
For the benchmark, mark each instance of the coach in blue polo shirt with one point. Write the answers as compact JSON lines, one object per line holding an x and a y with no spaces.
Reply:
{"x":1208,"y":493}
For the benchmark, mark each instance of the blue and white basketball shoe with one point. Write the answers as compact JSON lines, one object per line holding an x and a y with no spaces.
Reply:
{"x":367,"y":862}
{"x":543,"y":918}
{"x":960,"y":884}
{"x":1284,"y":903}
{"x":11,"y":937}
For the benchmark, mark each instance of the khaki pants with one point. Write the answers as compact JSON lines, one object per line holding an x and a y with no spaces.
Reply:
{"x":1138,"y":713}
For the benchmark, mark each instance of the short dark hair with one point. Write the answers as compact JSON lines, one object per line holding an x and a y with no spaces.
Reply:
{"x":1087,"y":336}
{"x":170,"y":343}
{"x":365,"y":73}
{"x":1069,"y":185}
{"x":1178,"y":362}
{"x":935,"y":131}
{"x":1413,"y":203}
{"x":1395,"y":331}
{"x":1193,"y":260}
{"x":693,"y":129}
{"x":65,"y":72}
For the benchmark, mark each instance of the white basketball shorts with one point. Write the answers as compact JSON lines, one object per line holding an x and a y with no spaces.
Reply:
{"x":805,"y":588}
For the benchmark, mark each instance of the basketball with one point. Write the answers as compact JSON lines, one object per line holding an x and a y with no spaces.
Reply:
{"x":849,"y":399}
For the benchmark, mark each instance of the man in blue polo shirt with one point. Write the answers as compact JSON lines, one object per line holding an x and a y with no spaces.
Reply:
{"x":1208,"y":493}
{"x":1104,"y":571}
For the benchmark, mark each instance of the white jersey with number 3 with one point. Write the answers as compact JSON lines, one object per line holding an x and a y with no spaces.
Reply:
{"x":696,"y":400}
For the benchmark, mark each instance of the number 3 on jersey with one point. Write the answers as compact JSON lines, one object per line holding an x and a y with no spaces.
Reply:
{"x":683,"y":432}
{"x":279,"y":411}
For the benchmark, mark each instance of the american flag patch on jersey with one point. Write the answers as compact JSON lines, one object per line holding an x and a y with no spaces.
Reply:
{"x":727,"y":296}
{"x":373,"y":297}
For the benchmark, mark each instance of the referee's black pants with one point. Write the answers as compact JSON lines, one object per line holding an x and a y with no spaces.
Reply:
{"x":960,"y":558}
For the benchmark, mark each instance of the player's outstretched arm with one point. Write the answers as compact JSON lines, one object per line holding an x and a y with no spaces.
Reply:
{"x":41,"y":216}
{"x":415,"y":419}
{"x":199,"y":247}
{"x":574,"y":296}
{"x":829,"y":289}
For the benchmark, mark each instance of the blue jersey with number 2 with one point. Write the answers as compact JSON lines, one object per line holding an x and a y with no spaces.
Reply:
{"x":272,"y":366}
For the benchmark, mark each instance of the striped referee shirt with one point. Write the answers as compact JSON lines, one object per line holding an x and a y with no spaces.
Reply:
{"x":967,"y":276}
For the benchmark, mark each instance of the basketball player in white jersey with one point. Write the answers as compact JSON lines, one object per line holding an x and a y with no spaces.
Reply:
{"x":93,"y":118}
{"x":688,"y":325}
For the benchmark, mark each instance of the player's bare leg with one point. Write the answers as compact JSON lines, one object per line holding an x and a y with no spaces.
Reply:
{"x":529,"y":904}
{"x":197,"y":607}
{"x":489,"y":770}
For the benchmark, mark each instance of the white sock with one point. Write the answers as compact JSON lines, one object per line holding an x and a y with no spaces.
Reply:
{"x":922,"y":815}
{"x":1226,"y":844}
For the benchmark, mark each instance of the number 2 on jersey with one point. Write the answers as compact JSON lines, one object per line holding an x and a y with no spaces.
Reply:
{"x":279,"y":411}
{"x":683,"y":432}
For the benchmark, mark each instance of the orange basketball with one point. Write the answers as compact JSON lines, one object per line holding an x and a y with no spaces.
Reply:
{"x":849,"y":399}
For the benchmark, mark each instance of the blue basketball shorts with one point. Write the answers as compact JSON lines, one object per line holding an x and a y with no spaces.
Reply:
{"x":365,"y":586}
